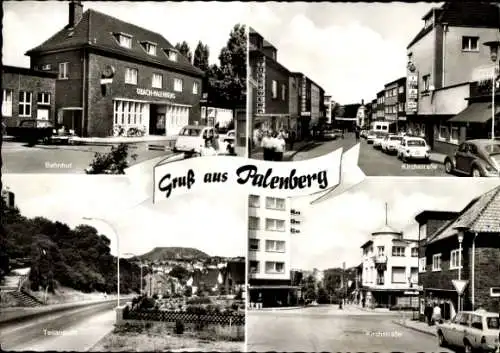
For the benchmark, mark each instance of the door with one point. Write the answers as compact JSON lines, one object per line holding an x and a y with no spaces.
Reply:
{"x":42,"y":114}
{"x":462,"y":158}
{"x":452,"y":330}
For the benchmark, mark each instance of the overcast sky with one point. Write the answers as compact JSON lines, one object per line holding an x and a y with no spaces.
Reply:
{"x":334,"y":230}
{"x":211,"y":223}
{"x":350,"y":49}
{"x":27,"y":24}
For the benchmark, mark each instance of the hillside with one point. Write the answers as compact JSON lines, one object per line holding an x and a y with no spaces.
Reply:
{"x":173,"y":253}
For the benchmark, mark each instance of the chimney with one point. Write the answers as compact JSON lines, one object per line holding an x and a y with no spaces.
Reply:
{"x":75,"y":13}
{"x":362,"y":102}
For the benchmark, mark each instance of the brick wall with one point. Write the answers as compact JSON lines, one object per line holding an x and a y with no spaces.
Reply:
{"x":276,"y":105}
{"x":487,"y":271}
{"x":29,"y":83}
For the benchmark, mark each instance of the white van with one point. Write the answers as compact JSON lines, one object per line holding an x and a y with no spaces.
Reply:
{"x":382,"y":126}
{"x":192,"y":138}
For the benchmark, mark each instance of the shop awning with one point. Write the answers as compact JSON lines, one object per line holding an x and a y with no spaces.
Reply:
{"x":346,"y":119}
{"x":273,"y":287}
{"x":474,"y":113}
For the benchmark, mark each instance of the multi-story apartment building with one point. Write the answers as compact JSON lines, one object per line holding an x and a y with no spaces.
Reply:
{"x":373,"y":110}
{"x":328,"y":109}
{"x":462,"y":246}
{"x":395,"y":102}
{"x":381,"y":105}
{"x":443,"y":58}
{"x":117,"y":78}
{"x":27,"y":94}
{"x":389,"y":270}
{"x":271,"y":224}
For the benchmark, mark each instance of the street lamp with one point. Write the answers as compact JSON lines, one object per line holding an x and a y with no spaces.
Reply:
{"x":117,"y":252}
{"x":461,"y":230}
{"x":493,"y":45}
{"x":131,"y":254}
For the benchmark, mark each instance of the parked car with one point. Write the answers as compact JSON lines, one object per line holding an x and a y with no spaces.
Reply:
{"x":377,"y":141}
{"x":229,"y":139}
{"x":370,"y":136}
{"x":31,"y":130}
{"x":390,"y":143}
{"x":471,"y":331}
{"x":332,"y":134}
{"x":413,"y":148}
{"x":191,"y":138}
{"x":478,"y":158}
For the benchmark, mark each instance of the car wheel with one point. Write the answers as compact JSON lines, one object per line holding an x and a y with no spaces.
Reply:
{"x":467,"y":347}
{"x":476,"y":173}
{"x":448,"y":166}
{"x":441,"y":339}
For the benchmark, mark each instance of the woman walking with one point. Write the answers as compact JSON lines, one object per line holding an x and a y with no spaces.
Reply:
{"x":279,"y":147}
{"x":266,"y":144}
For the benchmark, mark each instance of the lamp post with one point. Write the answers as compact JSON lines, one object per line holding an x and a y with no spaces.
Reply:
{"x":131,"y":254}
{"x":117,"y":252}
{"x":460,"y":240}
{"x":493,"y":45}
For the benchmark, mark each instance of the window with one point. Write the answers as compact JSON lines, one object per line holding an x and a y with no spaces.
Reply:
{"x":380,"y":251}
{"x":275,"y":267}
{"x":401,"y":107}
{"x":477,"y":322}
{"x":25,"y":103}
{"x":455,"y":260}
{"x":63,"y":71}
{"x":422,"y":230}
{"x":380,"y":279}
{"x":454,"y":134}
{"x":254,"y":266}
{"x":253,"y":223}
{"x":401,"y":89}
{"x":45,"y":67}
{"x":178,"y":85}
{"x":421,"y":264}
{"x":414,"y":275}
{"x":130,"y":113}
{"x":275,"y":225}
{"x":436,"y":262}
{"x":398,"y":251}
{"x":443,"y":132}
{"x":399,"y":275}
{"x":426,"y":82}
{"x":196,"y":87}
{"x":150,"y":48}
{"x":495,"y":292}
{"x":157,"y":81}
{"x":274,"y":203}
{"x":172,"y":55}
{"x":254,"y":201}
{"x":43,"y":98}
{"x":283,"y":92}
{"x":7,"y":102}
{"x":275,"y":89}
{"x":125,"y":40}
{"x":275,"y":245}
{"x":130,"y":76}
{"x":414,"y":252}
{"x":253,"y":244}
{"x":470,"y":43}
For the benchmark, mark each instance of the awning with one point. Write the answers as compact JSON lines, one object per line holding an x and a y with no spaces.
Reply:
{"x":346,"y":119}
{"x":273,"y":287}
{"x":475,"y":113}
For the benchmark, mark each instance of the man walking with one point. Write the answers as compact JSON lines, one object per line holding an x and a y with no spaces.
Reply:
{"x":356,"y":132}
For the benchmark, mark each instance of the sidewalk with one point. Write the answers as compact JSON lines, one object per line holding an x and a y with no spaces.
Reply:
{"x":437,"y":157}
{"x":99,"y":141}
{"x":289,"y":154}
{"x":418,"y":326}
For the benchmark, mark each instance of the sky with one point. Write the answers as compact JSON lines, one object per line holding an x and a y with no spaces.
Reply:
{"x":349,"y":49}
{"x":208,"y":222}
{"x":333,"y":230}
{"x":27,"y":24}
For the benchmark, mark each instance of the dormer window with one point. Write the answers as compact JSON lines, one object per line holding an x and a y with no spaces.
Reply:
{"x":149,"y":47}
{"x":125,"y":40}
{"x":172,"y":54}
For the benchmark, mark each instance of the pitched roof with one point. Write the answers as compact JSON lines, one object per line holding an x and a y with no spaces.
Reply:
{"x":96,"y":30}
{"x":27,"y":71}
{"x":479,"y":216}
{"x":387,"y":230}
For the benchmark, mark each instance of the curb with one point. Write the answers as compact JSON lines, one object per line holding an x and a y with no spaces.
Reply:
{"x":414,"y":328}
{"x":300,"y":149}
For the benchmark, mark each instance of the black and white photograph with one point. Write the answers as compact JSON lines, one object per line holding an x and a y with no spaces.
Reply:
{"x":412,"y":268}
{"x":87,"y":264}
{"x":410,"y":82}
{"x":95,"y":87}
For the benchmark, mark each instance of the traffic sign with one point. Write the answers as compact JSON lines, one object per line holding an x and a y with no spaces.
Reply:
{"x":459,"y":285}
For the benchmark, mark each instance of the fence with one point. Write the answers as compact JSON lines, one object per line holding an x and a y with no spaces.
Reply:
{"x":172,"y":316}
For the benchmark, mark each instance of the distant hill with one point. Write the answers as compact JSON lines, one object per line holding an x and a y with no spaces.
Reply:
{"x":174,"y":253}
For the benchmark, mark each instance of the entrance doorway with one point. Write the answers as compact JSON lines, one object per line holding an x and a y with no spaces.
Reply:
{"x":157,"y":120}
{"x":72,"y":120}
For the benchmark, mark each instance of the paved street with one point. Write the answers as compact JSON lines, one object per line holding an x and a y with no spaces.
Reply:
{"x":72,"y":330}
{"x":373,"y":162}
{"x":17,"y":158}
{"x":326,"y":328}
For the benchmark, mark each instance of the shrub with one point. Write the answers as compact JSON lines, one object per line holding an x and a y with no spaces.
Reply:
{"x":147,"y":304}
{"x":179,"y":327}
{"x":155,"y":296}
{"x":114,"y":162}
{"x":199,"y":300}
{"x":196,"y":309}
{"x":239,"y":295}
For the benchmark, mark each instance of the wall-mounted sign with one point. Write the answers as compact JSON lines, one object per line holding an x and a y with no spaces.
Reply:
{"x":305,"y":113}
{"x":412,"y":92}
{"x":303,"y":94}
{"x":261,"y":86}
{"x":108,"y":72}
{"x":155,"y":93}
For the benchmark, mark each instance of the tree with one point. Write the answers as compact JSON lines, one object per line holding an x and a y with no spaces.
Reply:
{"x":185,"y":51}
{"x":309,"y":288}
{"x":179,"y":272}
{"x":201,"y":56}
{"x":337,"y":110}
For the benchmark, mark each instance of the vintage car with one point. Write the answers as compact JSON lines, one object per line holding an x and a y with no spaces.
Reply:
{"x":414,"y":148}
{"x":477,"y":158}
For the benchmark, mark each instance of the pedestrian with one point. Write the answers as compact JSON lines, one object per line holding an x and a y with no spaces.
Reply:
{"x":428,"y":313}
{"x":208,"y":149}
{"x":266,"y":144}
{"x":293,"y":136}
{"x":279,"y":147}
{"x":356,"y":132}
{"x":436,"y":313}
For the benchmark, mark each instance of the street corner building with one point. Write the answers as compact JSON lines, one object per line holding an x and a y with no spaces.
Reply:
{"x":27,"y":95}
{"x":279,"y":98}
{"x":459,"y":256}
{"x":118,"y":79}
{"x":271,"y":225}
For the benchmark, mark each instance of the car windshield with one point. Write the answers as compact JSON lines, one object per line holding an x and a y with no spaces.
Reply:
{"x":493,"y":323}
{"x":396,"y":138}
{"x":492,"y":148}
{"x":416,"y":143}
{"x":190,"y":131}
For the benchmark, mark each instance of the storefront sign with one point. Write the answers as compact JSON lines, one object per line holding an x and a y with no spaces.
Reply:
{"x":412,"y":92}
{"x":155,"y":93}
{"x":303,"y":97}
{"x":305,"y":113}
{"x":261,"y":86}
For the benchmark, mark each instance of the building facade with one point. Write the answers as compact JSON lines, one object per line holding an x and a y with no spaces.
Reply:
{"x":395,"y":103}
{"x":389,"y":274}
{"x":381,"y":105}
{"x":270,"y":228}
{"x":27,"y":94}
{"x":462,"y":246}
{"x":114,"y":78}
{"x":443,"y":58}
{"x":328,"y":102}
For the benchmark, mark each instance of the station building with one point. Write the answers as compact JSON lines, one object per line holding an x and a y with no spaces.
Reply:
{"x":115,"y":78}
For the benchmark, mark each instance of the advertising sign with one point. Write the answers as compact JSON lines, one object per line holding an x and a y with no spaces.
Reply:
{"x":412,"y":92}
{"x":303,"y":94}
{"x":261,"y":86}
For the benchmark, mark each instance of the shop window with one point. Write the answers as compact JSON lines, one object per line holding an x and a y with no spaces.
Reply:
{"x":157,"y":81}
{"x":25,"y":103}
{"x":43,"y":98}
{"x":131,"y":76}
{"x":7,"y":102}
{"x":470,"y":43}
{"x":275,"y":225}
{"x":454,"y":134}
{"x":178,"y":85}
{"x":63,"y":71}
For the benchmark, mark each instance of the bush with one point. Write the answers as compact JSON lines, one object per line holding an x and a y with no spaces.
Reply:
{"x":155,"y":296}
{"x":179,"y":327}
{"x":199,"y":300}
{"x":196,"y":309}
{"x":239,"y":295}
{"x":147,"y":304}
{"x":114,"y":162}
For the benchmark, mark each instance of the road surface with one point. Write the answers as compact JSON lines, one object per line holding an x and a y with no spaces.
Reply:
{"x":371,"y":161}
{"x":328,"y":329}
{"x":72,"y":330}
